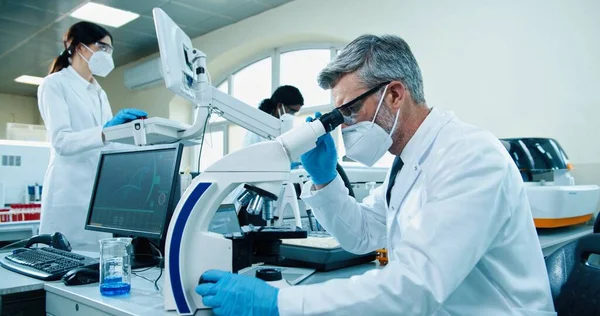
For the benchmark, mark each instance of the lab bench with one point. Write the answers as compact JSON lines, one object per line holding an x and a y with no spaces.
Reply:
{"x":18,"y":292}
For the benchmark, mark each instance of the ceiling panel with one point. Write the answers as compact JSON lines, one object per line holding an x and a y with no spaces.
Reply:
{"x":27,"y":15}
{"x":213,"y":6}
{"x":272,"y":3}
{"x":8,"y":41}
{"x":16,"y":28}
{"x":137,"y":6}
{"x":31,"y":30}
{"x":40,"y":70}
{"x":59,"y":6}
{"x":143,"y":24}
{"x":211,"y":25}
{"x":245,"y":9}
{"x":185,"y":15}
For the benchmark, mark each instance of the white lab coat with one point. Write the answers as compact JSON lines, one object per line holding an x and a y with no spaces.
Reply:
{"x":74,"y":111}
{"x":458,"y":230}
{"x":251,"y":139}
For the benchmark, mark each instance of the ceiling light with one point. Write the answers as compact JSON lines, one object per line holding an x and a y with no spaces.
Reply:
{"x":30,"y":80}
{"x":105,"y":15}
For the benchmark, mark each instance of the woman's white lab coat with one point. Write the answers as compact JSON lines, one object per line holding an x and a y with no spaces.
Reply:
{"x":74,"y":111}
{"x":251,"y":139}
{"x":458,"y":230}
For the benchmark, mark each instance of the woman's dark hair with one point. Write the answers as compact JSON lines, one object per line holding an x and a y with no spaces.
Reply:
{"x":287,"y":95}
{"x":79,"y":33}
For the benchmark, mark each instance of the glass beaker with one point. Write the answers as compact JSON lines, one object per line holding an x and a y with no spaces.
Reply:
{"x":115,"y":266}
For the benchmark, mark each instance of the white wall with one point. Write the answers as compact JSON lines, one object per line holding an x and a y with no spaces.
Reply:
{"x":517,"y":68}
{"x":17,"y":109}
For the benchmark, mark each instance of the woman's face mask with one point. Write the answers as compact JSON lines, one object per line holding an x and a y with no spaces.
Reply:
{"x":101,"y":62}
{"x":287,"y":119}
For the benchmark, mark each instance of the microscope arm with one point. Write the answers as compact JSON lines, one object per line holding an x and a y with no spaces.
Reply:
{"x":233,"y":110}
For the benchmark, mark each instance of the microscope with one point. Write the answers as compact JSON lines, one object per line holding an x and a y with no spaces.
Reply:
{"x":190,"y":248}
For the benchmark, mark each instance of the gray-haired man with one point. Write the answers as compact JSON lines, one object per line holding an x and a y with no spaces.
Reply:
{"x":453,"y":212}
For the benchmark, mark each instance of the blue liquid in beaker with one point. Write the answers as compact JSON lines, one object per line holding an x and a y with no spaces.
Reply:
{"x":114,"y":287}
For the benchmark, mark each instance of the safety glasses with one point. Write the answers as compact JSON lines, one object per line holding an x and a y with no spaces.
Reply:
{"x":289,"y":110}
{"x":105,"y":47}
{"x":351,"y":108}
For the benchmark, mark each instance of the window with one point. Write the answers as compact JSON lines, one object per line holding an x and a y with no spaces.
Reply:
{"x":300,"y":69}
{"x":213,"y":148}
{"x":224,"y":87}
{"x":253,"y":83}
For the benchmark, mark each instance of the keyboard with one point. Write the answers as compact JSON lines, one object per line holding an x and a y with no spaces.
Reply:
{"x":319,"y":251}
{"x":48,"y":264}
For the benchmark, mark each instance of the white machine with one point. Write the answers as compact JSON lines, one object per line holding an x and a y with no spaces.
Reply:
{"x":190,"y":248}
{"x":555,"y":199}
{"x":22,"y":164}
{"x":561,"y":203}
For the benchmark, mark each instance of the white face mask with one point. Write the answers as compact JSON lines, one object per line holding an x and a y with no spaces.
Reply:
{"x":287,"y":120}
{"x":366,"y":142}
{"x":101,"y":63}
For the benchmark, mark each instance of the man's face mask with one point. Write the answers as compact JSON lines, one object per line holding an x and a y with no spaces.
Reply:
{"x":366,"y":142}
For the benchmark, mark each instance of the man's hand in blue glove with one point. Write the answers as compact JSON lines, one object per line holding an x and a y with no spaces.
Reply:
{"x":320,"y":162}
{"x":237,"y":295}
{"x":126,"y":115}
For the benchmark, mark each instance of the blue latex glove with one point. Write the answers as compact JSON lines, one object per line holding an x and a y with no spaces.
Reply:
{"x":295,"y":165}
{"x":320,"y":162}
{"x":126,"y":115}
{"x":231,"y":294}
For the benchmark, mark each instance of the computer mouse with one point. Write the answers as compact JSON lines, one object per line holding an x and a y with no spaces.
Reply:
{"x":80,"y":276}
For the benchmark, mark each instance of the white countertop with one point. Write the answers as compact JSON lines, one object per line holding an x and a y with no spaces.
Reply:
{"x":144,"y":299}
{"x":11,"y":282}
{"x":555,"y":236}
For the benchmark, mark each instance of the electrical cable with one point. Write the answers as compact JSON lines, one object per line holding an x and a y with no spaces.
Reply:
{"x":15,"y":243}
{"x":203,"y":135}
{"x":158,"y":278}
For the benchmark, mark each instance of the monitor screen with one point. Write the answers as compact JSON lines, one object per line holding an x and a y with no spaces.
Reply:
{"x":134,"y":193}
{"x":225,"y":220}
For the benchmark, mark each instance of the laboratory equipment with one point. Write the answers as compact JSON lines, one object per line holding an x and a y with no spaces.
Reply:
{"x":250,"y":244}
{"x":225,"y":221}
{"x":554,"y":198}
{"x":185,"y":73}
{"x":45,"y":263}
{"x":320,"y":251}
{"x":191,"y":249}
{"x":292,"y":275}
{"x":22,"y":164}
{"x":273,"y":276}
{"x":115,"y":266}
{"x":288,"y":203}
{"x":135,"y":192}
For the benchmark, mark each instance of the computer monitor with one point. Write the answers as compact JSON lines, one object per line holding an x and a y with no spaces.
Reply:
{"x":135,"y":192}
{"x":176,"y":52}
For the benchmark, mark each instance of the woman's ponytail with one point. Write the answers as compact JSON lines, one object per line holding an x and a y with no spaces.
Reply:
{"x":60,"y":62}
{"x":267,"y":106}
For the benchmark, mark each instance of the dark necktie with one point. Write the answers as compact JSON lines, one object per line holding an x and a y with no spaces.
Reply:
{"x":396,"y":167}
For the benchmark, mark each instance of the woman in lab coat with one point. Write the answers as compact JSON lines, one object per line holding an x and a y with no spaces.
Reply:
{"x":75,"y":110}
{"x":285,"y":102}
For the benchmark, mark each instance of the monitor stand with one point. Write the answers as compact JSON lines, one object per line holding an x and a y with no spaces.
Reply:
{"x":144,"y":254}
